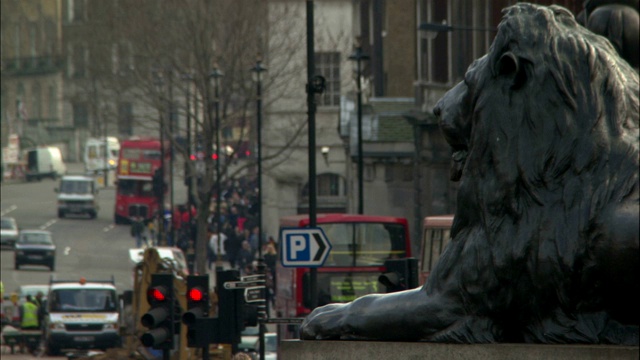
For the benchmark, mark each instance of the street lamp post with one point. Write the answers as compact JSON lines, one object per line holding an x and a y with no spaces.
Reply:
{"x":188,"y":78}
{"x":159,"y":83}
{"x":358,"y":56}
{"x":214,"y":77}
{"x":257,"y":70}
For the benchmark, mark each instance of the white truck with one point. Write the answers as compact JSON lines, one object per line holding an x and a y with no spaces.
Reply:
{"x":101,"y":154}
{"x":44,"y":161}
{"x":77,"y":195}
{"x":81,"y":315}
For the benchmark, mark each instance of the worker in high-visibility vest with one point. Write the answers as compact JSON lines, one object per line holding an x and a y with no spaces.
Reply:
{"x":29,"y":316}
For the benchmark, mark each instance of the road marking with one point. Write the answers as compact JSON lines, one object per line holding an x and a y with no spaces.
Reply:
{"x":67,"y":250}
{"x":48,"y":223}
{"x":10,"y":209}
{"x":108,"y":228}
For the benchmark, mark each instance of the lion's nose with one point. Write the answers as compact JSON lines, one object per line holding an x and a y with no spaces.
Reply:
{"x":437,"y":110}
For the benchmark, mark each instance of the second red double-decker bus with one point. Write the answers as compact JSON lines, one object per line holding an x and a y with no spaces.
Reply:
{"x":138,"y":161}
{"x":360,"y":245}
{"x":436,"y":233}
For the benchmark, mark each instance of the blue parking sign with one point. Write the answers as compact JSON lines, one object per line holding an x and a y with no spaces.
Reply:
{"x":304,"y":247}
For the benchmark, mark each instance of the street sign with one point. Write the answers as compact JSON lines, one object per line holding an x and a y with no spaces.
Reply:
{"x":304,"y":247}
{"x":254,"y":294}
{"x":242,"y":284}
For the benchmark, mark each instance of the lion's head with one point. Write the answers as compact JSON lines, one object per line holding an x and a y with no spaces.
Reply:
{"x":544,"y":132}
{"x":550,"y":101}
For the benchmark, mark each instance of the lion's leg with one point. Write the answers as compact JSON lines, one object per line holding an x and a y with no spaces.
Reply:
{"x":584,"y":328}
{"x":407,"y":315}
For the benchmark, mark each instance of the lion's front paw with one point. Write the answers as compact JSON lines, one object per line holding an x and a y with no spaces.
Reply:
{"x":323,"y":323}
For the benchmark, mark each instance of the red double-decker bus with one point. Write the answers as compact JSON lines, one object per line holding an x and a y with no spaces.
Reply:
{"x":436,"y":234}
{"x":360,"y":245}
{"x":138,"y":161}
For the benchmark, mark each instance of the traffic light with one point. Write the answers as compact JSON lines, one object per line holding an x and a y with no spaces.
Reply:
{"x":401,"y":274}
{"x":160,"y":317}
{"x":197,"y":310}
{"x":230,"y":308}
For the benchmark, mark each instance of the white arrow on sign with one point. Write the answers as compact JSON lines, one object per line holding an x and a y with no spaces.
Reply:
{"x":241,"y":284}
{"x":304,"y":247}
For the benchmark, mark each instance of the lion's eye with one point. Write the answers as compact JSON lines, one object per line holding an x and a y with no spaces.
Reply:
{"x":510,"y":67}
{"x":508,"y":64}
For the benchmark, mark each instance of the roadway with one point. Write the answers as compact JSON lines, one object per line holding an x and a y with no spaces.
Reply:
{"x":90,"y":248}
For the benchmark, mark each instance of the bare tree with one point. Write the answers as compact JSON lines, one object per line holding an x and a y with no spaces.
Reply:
{"x":191,"y":37}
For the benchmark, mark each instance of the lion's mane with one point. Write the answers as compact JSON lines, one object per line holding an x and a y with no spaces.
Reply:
{"x":551,"y":174}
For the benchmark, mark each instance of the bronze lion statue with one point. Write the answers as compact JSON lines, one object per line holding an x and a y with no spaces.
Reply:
{"x":544,"y":248}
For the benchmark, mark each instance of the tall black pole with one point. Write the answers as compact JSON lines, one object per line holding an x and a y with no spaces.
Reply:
{"x":358,"y":56}
{"x":313,"y":273}
{"x":188,"y":173}
{"x":258,"y":69}
{"x":360,"y":161}
{"x":161,"y":231}
{"x":171,"y":152}
{"x":216,"y":74}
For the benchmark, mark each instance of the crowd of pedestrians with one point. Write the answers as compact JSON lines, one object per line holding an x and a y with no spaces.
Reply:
{"x":237,"y":226}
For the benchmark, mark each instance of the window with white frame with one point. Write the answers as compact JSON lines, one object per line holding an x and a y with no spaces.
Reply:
{"x":125,"y":118}
{"x":77,"y":60}
{"x":328,"y":65}
{"x":36,"y":101}
{"x":328,"y":184}
{"x":80,"y":115}
{"x":76,"y":10}
{"x":52,"y":101}
{"x":121,"y":58}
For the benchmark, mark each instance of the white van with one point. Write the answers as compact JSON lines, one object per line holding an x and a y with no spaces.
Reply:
{"x":77,"y":195}
{"x":96,"y":154}
{"x":44,"y":161}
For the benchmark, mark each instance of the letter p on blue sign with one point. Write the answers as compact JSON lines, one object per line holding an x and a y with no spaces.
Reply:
{"x":304,"y":247}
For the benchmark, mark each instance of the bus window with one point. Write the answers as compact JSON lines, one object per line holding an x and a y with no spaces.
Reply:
{"x":436,"y":234}
{"x":146,"y":188}
{"x":127,"y":187}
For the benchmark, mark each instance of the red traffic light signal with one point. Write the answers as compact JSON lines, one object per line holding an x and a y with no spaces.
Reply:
{"x":197,"y":315}
{"x":156,"y":294}
{"x":161,"y":317}
{"x":195,"y":295}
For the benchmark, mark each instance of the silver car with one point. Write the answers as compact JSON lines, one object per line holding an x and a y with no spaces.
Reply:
{"x":10,"y":231}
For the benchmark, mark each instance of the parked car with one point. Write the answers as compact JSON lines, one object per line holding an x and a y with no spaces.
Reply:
{"x":10,"y":231}
{"x":248,"y":339}
{"x":35,"y":247}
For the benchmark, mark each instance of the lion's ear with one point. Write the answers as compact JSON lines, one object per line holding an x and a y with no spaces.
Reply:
{"x":509,"y":66}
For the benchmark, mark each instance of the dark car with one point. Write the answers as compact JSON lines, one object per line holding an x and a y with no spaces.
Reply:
{"x":35,"y":247}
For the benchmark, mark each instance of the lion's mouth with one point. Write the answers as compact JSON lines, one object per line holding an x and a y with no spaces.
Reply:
{"x":458,"y":158}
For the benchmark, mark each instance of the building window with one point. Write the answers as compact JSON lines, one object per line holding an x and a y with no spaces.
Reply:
{"x":121,"y":58}
{"x":76,"y":10}
{"x":36,"y":101}
{"x":80,"y":115}
{"x":17,"y":44}
{"x":52,"y":101}
{"x":328,"y":66}
{"x":33,"y":39}
{"x":125,"y":119}
{"x":369,"y":171}
{"x":78,"y":57}
{"x":328,"y":184}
